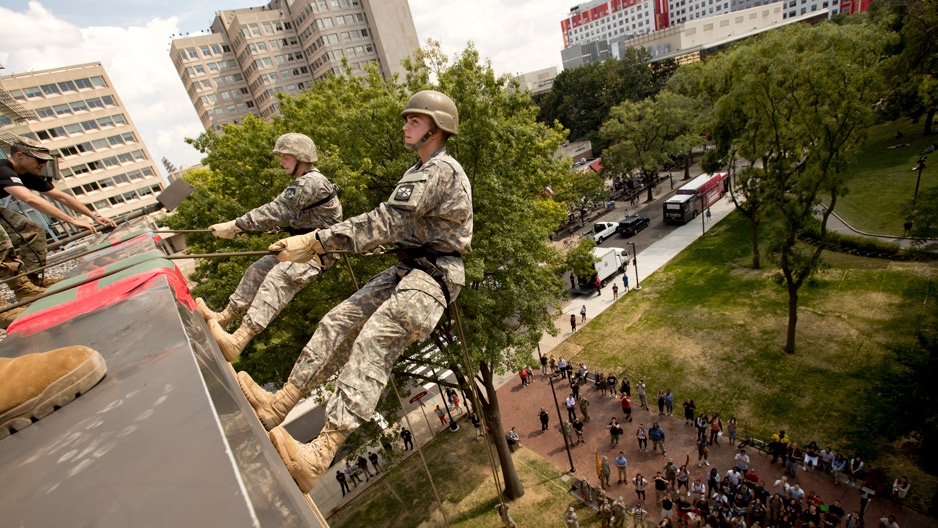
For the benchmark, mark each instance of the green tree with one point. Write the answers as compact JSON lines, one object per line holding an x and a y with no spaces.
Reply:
{"x":581,"y":98}
{"x":580,"y":259}
{"x":640,"y":133}
{"x":907,"y":375}
{"x":804,"y":96}
{"x":913,"y":75}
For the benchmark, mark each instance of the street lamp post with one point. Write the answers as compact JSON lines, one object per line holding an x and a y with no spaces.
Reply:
{"x":566,"y":443}
{"x":635,"y":262}
{"x":918,"y":167}
{"x":703,"y":216}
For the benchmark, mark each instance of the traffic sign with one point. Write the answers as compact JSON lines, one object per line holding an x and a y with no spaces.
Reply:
{"x":418,"y":396}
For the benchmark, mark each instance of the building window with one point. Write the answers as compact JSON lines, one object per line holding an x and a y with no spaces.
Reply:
{"x":50,"y":89}
{"x":32,"y":92}
{"x":62,"y":109}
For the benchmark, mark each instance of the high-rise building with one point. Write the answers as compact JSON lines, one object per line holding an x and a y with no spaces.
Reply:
{"x":597,"y":30}
{"x":251,"y":54}
{"x":75,"y":112}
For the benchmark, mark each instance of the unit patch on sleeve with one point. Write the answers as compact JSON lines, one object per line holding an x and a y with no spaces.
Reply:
{"x":404,"y":193}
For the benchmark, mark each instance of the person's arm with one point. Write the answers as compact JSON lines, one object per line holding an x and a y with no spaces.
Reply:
{"x":72,"y":203}
{"x":27,"y":197}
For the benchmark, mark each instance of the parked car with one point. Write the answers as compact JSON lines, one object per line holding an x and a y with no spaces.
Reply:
{"x":632,"y":225}
{"x":601,"y":231}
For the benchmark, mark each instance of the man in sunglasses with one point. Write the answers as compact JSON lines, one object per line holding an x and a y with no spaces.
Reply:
{"x":19,"y":176}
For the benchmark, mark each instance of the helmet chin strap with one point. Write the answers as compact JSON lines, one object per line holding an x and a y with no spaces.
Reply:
{"x":296,"y":167}
{"x":421,"y":141}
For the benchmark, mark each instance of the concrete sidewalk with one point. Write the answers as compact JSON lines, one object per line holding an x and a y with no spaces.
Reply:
{"x":649,"y":261}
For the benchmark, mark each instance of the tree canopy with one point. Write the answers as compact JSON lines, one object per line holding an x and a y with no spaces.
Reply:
{"x":581,"y":98}
{"x":798,"y":99}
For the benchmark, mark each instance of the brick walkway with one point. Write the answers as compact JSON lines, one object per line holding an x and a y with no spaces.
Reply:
{"x":520,"y":406}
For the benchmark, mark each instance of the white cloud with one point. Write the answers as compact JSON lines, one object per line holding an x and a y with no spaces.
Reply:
{"x":518,"y":36}
{"x":136,"y":60}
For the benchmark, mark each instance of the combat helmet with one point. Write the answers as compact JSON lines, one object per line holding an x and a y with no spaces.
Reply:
{"x":299,"y":146}
{"x":438,"y":106}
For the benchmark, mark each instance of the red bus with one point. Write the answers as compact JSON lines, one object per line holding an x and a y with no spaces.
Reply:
{"x":695,"y":197}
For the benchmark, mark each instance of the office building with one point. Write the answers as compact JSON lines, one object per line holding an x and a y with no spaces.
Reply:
{"x":76,"y":112}
{"x":599,"y":29}
{"x":538,"y":81}
{"x":251,"y":54}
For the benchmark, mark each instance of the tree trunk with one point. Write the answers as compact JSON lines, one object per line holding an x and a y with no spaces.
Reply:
{"x":513,"y":487}
{"x":792,"y":318}
{"x":754,"y":227}
{"x":687,"y":162}
{"x":929,"y":119}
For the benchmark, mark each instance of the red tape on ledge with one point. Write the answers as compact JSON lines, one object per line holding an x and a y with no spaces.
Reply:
{"x":89,"y":299}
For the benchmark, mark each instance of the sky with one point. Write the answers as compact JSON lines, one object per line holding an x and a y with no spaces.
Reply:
{"x":131,"y":39}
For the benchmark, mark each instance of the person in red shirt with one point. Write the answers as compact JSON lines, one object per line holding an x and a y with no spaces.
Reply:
{"x":626,"y":406}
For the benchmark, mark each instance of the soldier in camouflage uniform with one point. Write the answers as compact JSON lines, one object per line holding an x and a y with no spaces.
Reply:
{"x":308,"y":203}
{"x":429,"y":218}
{"x":619,"y":512}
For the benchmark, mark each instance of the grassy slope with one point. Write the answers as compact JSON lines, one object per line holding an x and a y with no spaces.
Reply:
{"x":464,"y":479}
{"x":881,"y":179}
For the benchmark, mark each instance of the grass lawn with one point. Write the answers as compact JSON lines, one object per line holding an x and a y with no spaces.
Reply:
{"x":464,"y":479}
{"x":882,"y":181}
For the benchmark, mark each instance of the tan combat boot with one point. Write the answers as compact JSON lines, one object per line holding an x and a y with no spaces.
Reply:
{"x":43,"y":282}
{"x":34,"y":385}
{"x":24,"y":289}
{"x":307,"y":463}
{"x":7,"y":317}
{"x":223,"y":317}
{"x":270,"y":409}
{"x":231,"y":345}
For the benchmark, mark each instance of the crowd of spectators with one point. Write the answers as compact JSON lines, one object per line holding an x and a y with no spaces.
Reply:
{"x":730,"y":497}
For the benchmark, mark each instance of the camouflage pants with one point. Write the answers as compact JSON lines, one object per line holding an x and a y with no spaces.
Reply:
{"x":27,"y":235}
{"x":9,"y":264}
{"x":266,"y":288}
{"x":362,"y":337}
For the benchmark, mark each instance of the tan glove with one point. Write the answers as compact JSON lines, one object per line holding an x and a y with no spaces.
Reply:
{"x":299,"y":248}
{"x":225,"y":229}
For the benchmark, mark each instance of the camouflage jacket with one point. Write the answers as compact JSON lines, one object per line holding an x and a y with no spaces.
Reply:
{"x":431,"y":206}
{"x":294,"y":206}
